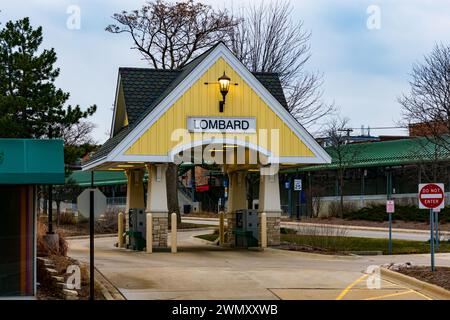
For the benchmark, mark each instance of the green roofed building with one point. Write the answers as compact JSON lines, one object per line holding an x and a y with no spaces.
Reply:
{"x":24,"y":164}
{"x":372,"y":171}
{"x":369,"y":170}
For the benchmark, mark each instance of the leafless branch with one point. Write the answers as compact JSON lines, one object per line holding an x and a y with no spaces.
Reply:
{"x":169,"y":35}
{"x":428,"y":102}
{"x":267,"y":40}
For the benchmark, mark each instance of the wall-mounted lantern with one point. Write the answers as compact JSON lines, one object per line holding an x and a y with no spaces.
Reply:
{"x":224,"y":86}
{"x":224,"y":83}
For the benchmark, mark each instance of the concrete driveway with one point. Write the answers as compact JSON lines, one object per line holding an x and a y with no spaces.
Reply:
{"x":203,"y":271}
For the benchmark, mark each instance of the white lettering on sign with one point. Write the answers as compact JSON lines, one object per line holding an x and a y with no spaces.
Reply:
{"x":431,"y":196}
{"x":227,"y":125}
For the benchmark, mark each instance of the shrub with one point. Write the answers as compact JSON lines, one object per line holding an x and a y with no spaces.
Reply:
{"x":334,"y":208}
{"x":323,"y":237}
{"x":287,"y":231}
{"x":43,"y":249}
{"x":67,"y":218}
{"x":403,"y":213}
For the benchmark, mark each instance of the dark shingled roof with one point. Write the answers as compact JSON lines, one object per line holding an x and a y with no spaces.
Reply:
{"x":145,"y":88}
{"x":109,"y":145}
{"x":142,"y":87}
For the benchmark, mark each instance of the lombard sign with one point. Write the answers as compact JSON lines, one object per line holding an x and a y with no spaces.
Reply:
{"x":221,"y":125}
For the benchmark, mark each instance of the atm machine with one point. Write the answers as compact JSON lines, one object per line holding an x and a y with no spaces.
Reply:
{"x":137,"y":229}
{"x":247,"y":228}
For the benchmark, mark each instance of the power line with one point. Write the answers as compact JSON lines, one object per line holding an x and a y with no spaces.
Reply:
{"x":379,"y":128}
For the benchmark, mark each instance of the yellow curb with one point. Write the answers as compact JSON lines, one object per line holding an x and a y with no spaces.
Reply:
{"x":425,"y":288}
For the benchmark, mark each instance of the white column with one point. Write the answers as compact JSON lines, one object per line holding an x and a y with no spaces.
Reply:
{"x":157,"y":203}
{"x":269,"y":194}
{"x":269,"y":209}
{"x":157,"y":189}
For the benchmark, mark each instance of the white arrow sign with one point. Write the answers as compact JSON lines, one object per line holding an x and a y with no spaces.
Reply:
{"x":83,"y":203}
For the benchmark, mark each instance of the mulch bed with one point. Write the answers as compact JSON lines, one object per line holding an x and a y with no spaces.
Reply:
{"x":304,"y":248}
{"x":441,"y":277}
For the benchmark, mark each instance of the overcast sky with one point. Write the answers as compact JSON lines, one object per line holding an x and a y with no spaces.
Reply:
{"x":365,"y":69}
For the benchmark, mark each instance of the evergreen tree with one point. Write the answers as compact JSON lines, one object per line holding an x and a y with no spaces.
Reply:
{"x":30,"y":104}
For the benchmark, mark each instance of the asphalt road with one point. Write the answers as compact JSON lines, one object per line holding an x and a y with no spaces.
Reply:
{"x":203,"y":271}
{"x":417,"y":235}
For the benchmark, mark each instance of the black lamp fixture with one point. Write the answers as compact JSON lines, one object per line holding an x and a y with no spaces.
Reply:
{"x":224,"y":83}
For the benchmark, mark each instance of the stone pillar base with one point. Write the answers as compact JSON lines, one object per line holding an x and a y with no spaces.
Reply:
{"x":160,"y":229}
{"x":273,"y":229}
{"x":230,"y":237}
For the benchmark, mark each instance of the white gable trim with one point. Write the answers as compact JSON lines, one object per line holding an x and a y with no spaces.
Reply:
{"x":221,"y":51}
{"x":116,"y":101}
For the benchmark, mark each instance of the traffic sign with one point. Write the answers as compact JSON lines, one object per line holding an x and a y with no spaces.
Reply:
{"x":390,"y":206}
{"x":431,"y":196}
{"x":83,"y":202}
{"x":297,"y":184}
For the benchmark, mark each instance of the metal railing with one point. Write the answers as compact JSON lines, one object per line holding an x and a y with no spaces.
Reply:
{"x":116,"y":201}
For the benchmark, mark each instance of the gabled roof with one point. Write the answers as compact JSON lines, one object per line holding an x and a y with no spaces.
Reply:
{"x":384,"y":154}
{"x":143,"y":107}
{"x":145,"y":88}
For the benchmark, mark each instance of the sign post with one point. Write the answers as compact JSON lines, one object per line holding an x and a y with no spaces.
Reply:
{"x":298,"y":187}
{"x":91,"y":202}
{"x":390,"y":209}
{"x":431,"y":196}
{"x":287,"y":185}
{"x":436,"y":227}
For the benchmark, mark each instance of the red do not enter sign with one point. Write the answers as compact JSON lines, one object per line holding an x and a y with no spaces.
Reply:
{"x":431,"y":196}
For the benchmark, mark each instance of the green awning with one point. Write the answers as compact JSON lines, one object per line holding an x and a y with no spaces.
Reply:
{"x":110,"y":178}
{"x":28,"y":161}
{"x":101,"y":178}
{"x":382,"y":154}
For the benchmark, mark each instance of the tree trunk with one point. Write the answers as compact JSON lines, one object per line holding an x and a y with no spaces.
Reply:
{"x":172,"y":191}
{"x":341,"y":193}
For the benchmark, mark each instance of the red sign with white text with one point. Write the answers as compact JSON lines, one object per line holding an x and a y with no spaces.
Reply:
{"x":431,"y":196}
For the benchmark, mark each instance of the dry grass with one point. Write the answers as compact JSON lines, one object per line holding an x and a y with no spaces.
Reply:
{"x":43,"y":250}
{"x":323,"y":237}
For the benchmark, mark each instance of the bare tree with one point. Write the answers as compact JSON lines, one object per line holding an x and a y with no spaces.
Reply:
{"x":79,"y":133}
{"x":267,"y":40}
{"x":432,"y":160}
{"x":428,"y":102}
{"x":342,"y":152}
{"x":168,"y":36}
